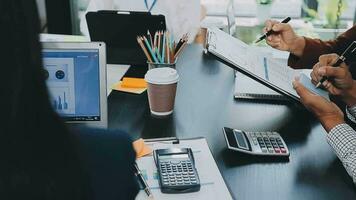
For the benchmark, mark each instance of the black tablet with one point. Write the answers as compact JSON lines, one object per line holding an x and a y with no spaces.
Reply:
{"x":119,"y":29}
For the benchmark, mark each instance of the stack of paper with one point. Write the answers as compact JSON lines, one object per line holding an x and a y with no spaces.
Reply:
{"x":131,"y":85}
{"x":212,"y":183}
{"x":141,"y":148}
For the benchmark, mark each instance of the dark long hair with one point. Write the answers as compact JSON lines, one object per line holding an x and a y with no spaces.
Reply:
{"x":38,"y":159}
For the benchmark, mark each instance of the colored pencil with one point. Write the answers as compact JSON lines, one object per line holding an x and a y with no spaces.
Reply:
{"x":150,"y":49}
{"x":159,"y":40}
{"x":150,"y":37}
{"x":163,"y":47}
{"x":168,"y":48}
{"x":139,"y":40}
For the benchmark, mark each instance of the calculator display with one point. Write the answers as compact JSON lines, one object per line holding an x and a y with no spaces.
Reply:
{"x":172,"y":156}
{"x":241,"y":140}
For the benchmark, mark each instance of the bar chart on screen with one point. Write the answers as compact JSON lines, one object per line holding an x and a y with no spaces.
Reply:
{"x":61,"y":101}
{"x":60,"y":77}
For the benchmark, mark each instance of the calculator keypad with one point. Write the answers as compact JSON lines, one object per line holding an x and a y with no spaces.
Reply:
{"x":269,"y":142}
{"x":178,"y":173}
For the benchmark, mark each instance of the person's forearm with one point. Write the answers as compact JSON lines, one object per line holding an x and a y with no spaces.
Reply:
{"x":311,"y":51}
{"x":342,"y":139}
{"x":298,"y":48}
{"x":330,"y":123}
{"x":350,"y":96}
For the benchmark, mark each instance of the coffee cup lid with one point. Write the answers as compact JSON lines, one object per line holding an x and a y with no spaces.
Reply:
{"x":162,"y":75}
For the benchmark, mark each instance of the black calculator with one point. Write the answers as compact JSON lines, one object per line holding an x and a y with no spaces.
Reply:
{"x":177,"y":172}
{"x":256,"y":143}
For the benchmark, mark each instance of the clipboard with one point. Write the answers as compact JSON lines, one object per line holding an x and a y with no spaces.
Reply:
{"x":119,"y":29}
{"x":223,"y":47}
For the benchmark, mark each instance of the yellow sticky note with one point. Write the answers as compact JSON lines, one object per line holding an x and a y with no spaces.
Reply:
{"x":133,"y":83}
{"x":118,"y":87}
{"x":141,"y":148}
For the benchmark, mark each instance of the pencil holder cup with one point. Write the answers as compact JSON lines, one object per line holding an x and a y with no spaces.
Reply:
{"x":158,"y":65}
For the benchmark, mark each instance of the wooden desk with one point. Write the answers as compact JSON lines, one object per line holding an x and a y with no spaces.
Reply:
{"x":205,"y":104}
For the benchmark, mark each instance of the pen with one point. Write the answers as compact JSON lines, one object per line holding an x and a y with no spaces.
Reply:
{"x":286,"y":20}
{"x":347,"y":54}
{"x":180,"y":50}
{"x":178,"y":45}
{"x":184,"y":38}
{"x":173,"y":140}
{"x":142,"y":180}
{"x":324,"y":78}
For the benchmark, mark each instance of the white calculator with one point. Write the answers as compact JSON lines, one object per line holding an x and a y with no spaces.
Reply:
{"x":256,"y":143}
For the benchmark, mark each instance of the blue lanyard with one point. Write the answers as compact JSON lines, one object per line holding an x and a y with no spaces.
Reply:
{"x":152,"y":5}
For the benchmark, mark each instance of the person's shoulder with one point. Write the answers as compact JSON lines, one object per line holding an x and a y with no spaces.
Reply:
{"x":108,"y":158}
{"x":103,"y":142}
{"x":107,"y":137}
{"x":100,"y":132}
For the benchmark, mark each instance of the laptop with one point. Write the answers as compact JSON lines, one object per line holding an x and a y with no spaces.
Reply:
{"x":76,"y":79}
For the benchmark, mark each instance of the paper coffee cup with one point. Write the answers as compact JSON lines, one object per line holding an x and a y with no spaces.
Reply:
{"x":161,"y":89}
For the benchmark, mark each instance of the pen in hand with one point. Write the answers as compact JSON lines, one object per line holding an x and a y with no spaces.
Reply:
{"x":340,"y":60}
{"x":349,"y":53}
{"x":142,"y":181}
{"x":264,"y":36}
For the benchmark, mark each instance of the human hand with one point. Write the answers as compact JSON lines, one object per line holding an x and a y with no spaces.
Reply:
{"x":341,"y":83}
{"x":326,"y":111}
{"x":284,"y":38}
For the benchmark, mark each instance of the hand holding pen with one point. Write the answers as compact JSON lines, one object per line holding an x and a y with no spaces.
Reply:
{"x":337,"y":62}
{"x":348,"y":54}
{"x":269,"y":30}
{"x":342,"y":84}
{"x":281,"y":36}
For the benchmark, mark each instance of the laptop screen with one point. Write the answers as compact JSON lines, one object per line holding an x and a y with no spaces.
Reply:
{"x":73,"y":82}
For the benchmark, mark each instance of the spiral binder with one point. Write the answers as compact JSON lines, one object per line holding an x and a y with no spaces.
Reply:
{"x":246,"y":88}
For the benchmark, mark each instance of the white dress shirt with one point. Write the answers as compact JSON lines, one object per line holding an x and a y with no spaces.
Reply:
{"x":342,"y":139}
{"x":182,"y":16}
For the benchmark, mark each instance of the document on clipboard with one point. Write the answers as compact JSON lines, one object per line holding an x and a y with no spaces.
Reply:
{"x":265,"y":70}
{"x":212,"y":183}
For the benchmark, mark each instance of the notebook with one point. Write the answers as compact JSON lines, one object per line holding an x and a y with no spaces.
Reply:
{"x":247,"y":88}
{"x":266,"y":70}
